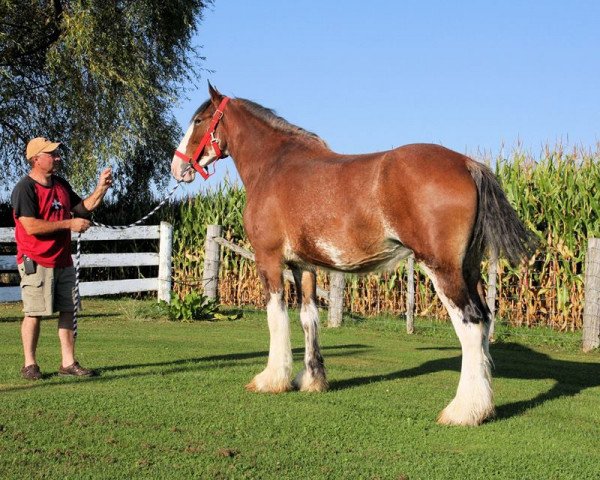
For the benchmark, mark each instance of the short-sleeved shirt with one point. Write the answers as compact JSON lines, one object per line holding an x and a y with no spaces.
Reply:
{"x":52,"y":203}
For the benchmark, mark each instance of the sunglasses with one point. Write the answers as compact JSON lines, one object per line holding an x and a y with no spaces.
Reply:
{"x":51,"y":154}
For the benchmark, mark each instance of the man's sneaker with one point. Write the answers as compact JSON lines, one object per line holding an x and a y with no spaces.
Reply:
{"x":31,"y":372}
{"x":75,"y":370}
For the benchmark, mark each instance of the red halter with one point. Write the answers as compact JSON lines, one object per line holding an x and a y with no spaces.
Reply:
{"x":209,"y":136}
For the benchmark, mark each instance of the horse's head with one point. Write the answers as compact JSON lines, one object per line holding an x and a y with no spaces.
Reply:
{"x":201,"y":143}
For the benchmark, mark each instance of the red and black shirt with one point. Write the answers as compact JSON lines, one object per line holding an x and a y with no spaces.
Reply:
{"x":52,"y":203}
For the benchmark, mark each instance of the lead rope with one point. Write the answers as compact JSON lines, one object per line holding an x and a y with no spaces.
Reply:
{"x":76,"y":295}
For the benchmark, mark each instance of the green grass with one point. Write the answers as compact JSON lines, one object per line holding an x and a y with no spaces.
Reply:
{"x":170,"y":403}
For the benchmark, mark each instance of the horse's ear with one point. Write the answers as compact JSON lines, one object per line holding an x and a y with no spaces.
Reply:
{"x":215,"y":95}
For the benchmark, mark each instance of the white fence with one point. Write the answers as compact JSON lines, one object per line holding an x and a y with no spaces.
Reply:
{"x":162,"y":259}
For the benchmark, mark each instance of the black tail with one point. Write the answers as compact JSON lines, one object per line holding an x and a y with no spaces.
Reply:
{"x":497,"y":225}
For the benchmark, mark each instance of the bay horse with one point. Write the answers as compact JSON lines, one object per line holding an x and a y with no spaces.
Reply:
{"x":308,"y":207}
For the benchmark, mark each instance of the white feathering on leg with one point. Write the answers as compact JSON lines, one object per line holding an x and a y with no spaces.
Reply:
{"x":474,"y":399}
{"x":305,"y":380}
{"x":277,"y":376}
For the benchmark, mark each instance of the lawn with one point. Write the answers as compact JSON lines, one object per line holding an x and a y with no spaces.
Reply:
{"x":170,"y":403}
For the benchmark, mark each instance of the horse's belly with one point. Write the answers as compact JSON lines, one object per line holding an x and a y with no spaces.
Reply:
{"x":327,"y":254}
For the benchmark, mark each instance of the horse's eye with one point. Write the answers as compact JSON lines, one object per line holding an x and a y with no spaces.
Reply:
{"x":197,"y":121}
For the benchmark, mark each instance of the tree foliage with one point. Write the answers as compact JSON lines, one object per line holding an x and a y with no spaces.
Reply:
{"x":100,"y":76}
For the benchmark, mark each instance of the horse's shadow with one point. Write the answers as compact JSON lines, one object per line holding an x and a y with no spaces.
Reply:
{"x":232,"y":358}
{"x":511,"y":361}
{"x":170,"y":367}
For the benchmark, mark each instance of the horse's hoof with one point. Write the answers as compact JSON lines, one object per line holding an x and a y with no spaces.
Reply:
{"x":262,"y":383}
{"x":306,"y":383}
{"x":251,"y":387}
{"x":453,"y":415}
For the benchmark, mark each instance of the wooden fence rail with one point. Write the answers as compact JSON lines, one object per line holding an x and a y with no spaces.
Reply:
{"x":161,"y":284}
{"x":214,"y":241}
{"x":210,"y":275}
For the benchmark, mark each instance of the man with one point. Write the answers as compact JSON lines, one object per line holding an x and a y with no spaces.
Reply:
{"x":43,"y":206}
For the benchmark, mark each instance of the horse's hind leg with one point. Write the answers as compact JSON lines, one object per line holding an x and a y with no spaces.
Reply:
{"x":312,"y":378}
{"x":473,"y":402}
{"x":277,"y":376}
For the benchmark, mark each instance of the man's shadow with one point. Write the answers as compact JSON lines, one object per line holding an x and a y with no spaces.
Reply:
{"x":511,"y":361}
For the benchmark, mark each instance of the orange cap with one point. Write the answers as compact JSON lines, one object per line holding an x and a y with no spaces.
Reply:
{"x":40,"y":145}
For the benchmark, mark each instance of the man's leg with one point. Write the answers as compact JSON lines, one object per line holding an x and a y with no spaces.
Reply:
{"x":37,"y":303}
{"x":65,"y":334}
{"x":30,"y":333}
{"x":65,"y":296}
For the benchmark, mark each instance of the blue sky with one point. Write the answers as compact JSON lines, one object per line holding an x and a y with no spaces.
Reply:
{"x":474,"y":76}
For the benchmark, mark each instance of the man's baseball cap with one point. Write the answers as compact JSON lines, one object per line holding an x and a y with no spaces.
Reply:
{"x":40,"y":145}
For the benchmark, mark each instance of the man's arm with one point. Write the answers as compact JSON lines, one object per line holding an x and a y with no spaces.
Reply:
{"x":93,"y":201}
{"x":37,"y":226}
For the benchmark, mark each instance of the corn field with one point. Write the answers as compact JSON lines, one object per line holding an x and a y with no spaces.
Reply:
{"x":557,"y":196}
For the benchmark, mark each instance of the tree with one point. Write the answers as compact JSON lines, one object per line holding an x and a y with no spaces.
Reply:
{"x":101,"y":77}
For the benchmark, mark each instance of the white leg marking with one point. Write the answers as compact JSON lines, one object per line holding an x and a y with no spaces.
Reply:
{"x":474,"y":400}
{"x":312,"y":377}
{"x":277,"y":376}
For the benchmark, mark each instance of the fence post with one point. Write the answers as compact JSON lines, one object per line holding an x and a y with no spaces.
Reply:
{"x":337,"y":283}
{"x":491,"y":290}
{"x":212,"y":256}
{"x":410,"y":295}
{"x":165,"y":247}
{"x":591,"y":312}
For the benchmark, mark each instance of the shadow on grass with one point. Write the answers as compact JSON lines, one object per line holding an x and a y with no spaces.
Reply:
{"x":11,"y":319}
{"x":181,"y":365}
{"x":513,"y":361}
{"x":234,"y":357}
{"x":516,"y":361}
{"x":54,"y":317}
{"x":232,"y":311}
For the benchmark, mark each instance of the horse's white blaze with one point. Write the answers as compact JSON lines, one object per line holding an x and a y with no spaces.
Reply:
{"x":178,"y":165}
{"x":186,"y":138}
{"x":277,"y":376}
{"x":474,"y":400}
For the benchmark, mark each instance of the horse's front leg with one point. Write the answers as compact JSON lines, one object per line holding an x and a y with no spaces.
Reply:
{"x":312,"y":378}
{"x":277,"y":376}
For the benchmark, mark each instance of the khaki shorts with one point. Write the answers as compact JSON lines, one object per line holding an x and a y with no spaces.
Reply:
{"x":48,"y":290}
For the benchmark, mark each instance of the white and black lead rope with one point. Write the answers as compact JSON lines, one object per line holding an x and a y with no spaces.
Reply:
{"x":112,"y":227}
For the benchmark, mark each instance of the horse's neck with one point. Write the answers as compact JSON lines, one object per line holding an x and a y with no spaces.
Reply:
{"x":258,"y":146}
